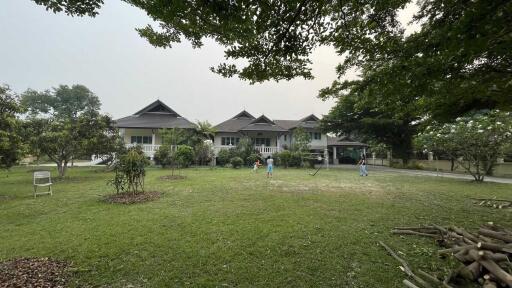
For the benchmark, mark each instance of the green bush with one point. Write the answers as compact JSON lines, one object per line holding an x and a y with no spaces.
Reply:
{"x":164,"y":156}
{"x":185,"y":155}
{"x":130,"y":171}
{"x":236,"y":162}
{"x":284,"y":158}
{"x":223,"y":157}
{"x":296,"y":159}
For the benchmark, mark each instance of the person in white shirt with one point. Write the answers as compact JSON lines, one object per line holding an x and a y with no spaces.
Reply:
{"x":270,"y":166}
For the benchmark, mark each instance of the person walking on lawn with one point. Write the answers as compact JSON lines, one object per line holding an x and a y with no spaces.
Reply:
{"x":362,"y":166}
{"x":270,"y":166}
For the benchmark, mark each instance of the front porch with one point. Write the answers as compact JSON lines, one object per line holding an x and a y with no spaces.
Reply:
{"x":264,"y":150}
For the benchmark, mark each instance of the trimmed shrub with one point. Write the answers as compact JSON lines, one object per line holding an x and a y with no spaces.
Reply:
{"x":185,"y":155}
{"x":223,"y":157}
{"x":130,"y":171}
{"x":284,"y":158}
{"x":164,"y":156}
{"x":236,"y":162}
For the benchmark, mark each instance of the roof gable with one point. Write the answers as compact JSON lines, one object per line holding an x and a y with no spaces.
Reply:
{"x":263,"y":120}
{"x":243,"y":114}
{"x":310,"y":118}
{"x":157,"y":107}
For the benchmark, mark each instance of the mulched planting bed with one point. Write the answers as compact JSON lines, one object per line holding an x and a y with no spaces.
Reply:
{"x":34,"y":272}
{"x":172,"y":177}
{"x":132,"y":198}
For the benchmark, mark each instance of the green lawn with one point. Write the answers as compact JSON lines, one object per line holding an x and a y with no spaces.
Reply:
{"x":233,"y":228}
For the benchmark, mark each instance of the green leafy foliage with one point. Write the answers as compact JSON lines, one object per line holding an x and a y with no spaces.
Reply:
{"x":65,"y":124}
{"x":164,"y":156}
{"x":185,"y":155}
{"x":204,"y":152}
{"x":11,"y":146}
{"x":130,"y":171}
{"x":475,"y":141}
{"x":236,"y":162}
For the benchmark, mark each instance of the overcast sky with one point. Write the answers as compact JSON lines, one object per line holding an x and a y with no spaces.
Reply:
{"x":41,"y":50}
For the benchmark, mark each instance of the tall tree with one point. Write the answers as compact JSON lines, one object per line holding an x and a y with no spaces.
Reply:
{"x":11,"y":146}
{"x":69,"y":125}
{"x":460,"y":59}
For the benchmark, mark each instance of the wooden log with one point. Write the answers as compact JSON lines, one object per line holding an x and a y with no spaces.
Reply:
{"x":431,"y":279}
{"x":409,"y":284}
{"x":450,"y":251}
{"x":493,"y":268}
{"x":490,"y":199}
{"x":405,"y":266}
{"x":494,"y":247}
{"x":489,"y":284}
{"x":503,"y":236}
{"x":452,"y":274}
{"x":410,"y":232}
{"x":471,"y":271}
{"x":466,"y":234}
{"x":463,"y":256}
{"x":440,"y":228}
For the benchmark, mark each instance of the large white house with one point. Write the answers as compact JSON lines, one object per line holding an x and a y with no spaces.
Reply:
{"x":268,"y":136}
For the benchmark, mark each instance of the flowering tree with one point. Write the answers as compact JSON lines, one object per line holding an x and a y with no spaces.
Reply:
{"x":475,"y":141}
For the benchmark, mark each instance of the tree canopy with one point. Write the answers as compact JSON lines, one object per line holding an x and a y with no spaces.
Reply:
{"x":457,"y":62}
{"x":11,"y":145}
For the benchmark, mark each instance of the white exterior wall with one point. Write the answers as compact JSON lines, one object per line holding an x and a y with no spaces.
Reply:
{"x":129,"y":132}
{"x":315,"y":144}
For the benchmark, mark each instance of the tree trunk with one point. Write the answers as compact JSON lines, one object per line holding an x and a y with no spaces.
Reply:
{"x":452,"y":166}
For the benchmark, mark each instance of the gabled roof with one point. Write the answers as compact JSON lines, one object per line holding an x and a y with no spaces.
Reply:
{"x":155,"y":115}
{"x":235,"y":123}
{"x":243,"y":114}
{"x":263,"y":120}
{"x":343,"y":141}
{"x":310,"y":121}
{"x":263,"y":123}
{"x":310,"y":118}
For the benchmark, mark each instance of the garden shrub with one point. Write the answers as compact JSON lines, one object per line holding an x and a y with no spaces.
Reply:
{"x":130,"y":171}
{"x":185,"y":155}
{"x":284,"y":158}
{"x":164,"y":156}
{"x":223,"y":157}
{"x":236,"y":162}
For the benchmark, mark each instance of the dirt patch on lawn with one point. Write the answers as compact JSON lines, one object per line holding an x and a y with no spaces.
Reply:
{"x":172,"y":177}
{"x":132,"y":198}
{"x":34,"y":272}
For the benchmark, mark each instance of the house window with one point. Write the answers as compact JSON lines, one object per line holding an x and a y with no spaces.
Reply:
{"x":142,"y":140}
{"x":285,"y":138}
{"x":261,"y":141}
{"x":315,"y":135}
{"x":227,"y":141}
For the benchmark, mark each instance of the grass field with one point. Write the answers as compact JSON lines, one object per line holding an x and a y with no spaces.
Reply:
{"x":233,"y":228}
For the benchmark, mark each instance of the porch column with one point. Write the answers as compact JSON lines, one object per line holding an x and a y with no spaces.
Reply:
{"x":326,"y":158}
{"x":153,"y":138}
{"x":334,"y":157}
{"x":278,"y":143}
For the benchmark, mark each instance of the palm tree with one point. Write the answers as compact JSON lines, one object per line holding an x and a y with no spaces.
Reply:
{"x":205,"y":130}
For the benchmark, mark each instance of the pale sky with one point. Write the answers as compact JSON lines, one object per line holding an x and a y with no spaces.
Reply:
{"x":41,"y":50}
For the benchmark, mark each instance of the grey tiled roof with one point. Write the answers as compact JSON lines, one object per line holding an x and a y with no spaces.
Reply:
{"x":233,"y":125}
{"x":343,"y":141}
{"x":146,"y":118}
{"x":244,"y":121}
{"x":153,"y":121}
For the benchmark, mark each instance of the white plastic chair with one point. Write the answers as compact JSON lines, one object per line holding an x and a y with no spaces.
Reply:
{"x":41,"y":179}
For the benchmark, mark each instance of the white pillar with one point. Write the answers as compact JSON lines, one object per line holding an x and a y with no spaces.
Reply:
{"x":326,"y":158}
